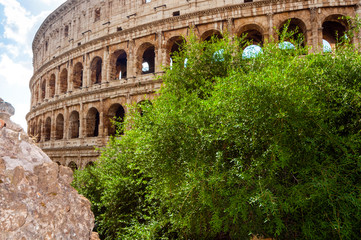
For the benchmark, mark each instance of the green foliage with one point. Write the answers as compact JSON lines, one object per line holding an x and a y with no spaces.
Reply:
{"x":237,"y":147}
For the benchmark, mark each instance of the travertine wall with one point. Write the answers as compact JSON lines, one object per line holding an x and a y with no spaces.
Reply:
{"x":89,"y":54}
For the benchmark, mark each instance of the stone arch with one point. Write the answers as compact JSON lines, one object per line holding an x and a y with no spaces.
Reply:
{"x":63,"y":81}
{"x":89,"y":164}
{"x":59,"y":128}
{"x":115,"y":111}
{"x":118,"y":64}
{"x":207,"y":35}
{"x":52,"y":86}
{"x":78,"y":75}
{"x":174,"y":45}
{"x":146,"y":58}
{"x":73,"y":166}
{"x":96,"y":70}
{"x":142,"y":103}
{"x":296,"y":25}
{"x":334,"y":27}
{"x":43,"y":90}
{"x":47,"y":129}
{"x":252,"y":33}
{"x":92,"y":122}
{"x":74,"y":125}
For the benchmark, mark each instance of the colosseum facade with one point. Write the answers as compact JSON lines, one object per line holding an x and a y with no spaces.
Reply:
{"x":94,"y":57}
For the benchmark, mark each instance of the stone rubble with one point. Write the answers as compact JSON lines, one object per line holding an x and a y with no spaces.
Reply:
{"x":36,"y":199}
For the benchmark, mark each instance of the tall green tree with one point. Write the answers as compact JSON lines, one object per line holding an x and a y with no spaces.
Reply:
{"x":235,"y":147}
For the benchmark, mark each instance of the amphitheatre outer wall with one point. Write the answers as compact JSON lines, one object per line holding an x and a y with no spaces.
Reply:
{"x":89,"y":57}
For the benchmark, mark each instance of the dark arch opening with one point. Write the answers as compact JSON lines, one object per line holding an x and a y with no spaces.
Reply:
{"x":119,"y":65}
{"x":252,"y":34}
{"x":148,"y":63}
{"x":43,"y":90}
{"x":115,"y":112}
{"x":52,"y":86}
{"x":59,"y":129}
{"x":333,"y":29}
{"x":298,"y":28}
{"x":96,"y":70}
{"x":74,"y":125}
{"x":92,"y":123}
{"x":89,"y":164}
{"x":47,"y":129}
{"x":142,"y":104}
{"x":78,"y":75}
{"x":211,"y":35}
{"x":174,"y":47}
{"x":73,"y":166}
{"x":64,"y":81}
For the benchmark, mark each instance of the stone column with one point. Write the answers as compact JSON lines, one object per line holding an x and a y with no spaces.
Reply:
{"x":271,"y":33}
{"x":52,"y":126}
{"x":131,"y":60}
{"x":86,"y":72}
{"x":159,"y":53}
{"x":105,"y":67}
{"x":316,"y":39}
{"x":70,"y":79}
{"x":101,"y":118}
{"x":82,"y":120}
{"x":66,"y":124}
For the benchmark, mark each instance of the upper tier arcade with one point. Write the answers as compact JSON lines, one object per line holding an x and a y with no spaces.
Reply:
{"x":93,"y":57}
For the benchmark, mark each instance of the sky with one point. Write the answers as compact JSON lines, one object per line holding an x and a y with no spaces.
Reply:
{"x":19,"y":21}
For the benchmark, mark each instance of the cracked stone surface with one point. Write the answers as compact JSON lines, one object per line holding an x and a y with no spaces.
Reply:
{"x":36,"y":199}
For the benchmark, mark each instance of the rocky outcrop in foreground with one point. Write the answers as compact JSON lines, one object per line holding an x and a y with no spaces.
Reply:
{"x":36,"y":199}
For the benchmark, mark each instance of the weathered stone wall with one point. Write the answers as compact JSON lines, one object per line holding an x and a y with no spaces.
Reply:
{"x":82,"y":47}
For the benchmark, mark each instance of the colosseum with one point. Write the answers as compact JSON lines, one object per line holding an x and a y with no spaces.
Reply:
{"x":94,"y":57}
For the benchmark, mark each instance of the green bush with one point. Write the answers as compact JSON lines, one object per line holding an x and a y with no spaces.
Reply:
{"x":236,"y":147}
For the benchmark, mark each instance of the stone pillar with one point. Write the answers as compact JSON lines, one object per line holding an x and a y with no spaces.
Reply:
{"x":52,"y":126}
{"x":105,"y":67}
{"x":82,"y":122}
{"x":357,"y":39}
{"x":159,"y":53}
{"x":86,"y":72}
{"x":101,"y":118}
{"x":70,"y":79}
{"x":131,"y":60}
{"x":316,"y":37}
{"x":57,"y":82}
{"x":271,"y":33}
{"x":66,"y":124}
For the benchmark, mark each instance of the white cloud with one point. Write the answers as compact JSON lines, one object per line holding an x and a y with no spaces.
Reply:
{"x":14,"y":73}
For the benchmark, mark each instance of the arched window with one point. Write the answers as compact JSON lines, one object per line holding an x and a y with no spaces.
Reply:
{"x":119,"y":64}
{"x":73,"y":166}
{"x":142,"y":104}
{"x":47,"y":129}
{"x":211,"y":35}
{"x":96,"y":70}
{"x":43,"y":90}
{"x":333,"y":30}
{"x":64,"y":81}
{"x":78,"y":75}
{"x":298,"y":28}
{"x":89,"y":164}
{"x":92,"y":123}
{"x":174,"y":46}
{"x":52,"y":86}
{"x":74,"y":125}
{"x":59,"y":127}
{"x":115,"y":112}
{"x":148,"y":63}
{"x":252,"y":34}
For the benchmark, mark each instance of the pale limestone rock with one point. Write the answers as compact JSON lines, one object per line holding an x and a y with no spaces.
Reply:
{"x":36,"y":199}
